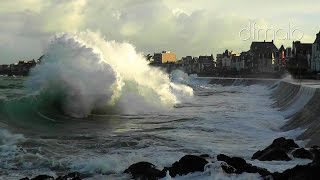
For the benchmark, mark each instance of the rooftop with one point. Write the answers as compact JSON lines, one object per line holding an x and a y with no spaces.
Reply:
{"x":263,"y":47}
{"x":317,"y":41}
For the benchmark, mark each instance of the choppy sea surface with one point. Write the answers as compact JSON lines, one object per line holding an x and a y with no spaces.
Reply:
{"x":234,"y":120}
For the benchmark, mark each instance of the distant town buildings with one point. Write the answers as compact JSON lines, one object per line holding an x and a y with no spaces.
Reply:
{"x":164,"y":57}
{"x":263,"y":59}
{"x":191,"y":65}
{"x":22,"y":68}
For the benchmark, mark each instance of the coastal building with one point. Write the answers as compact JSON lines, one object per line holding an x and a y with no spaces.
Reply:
{"x":189,"y":64}
{"x":164,"y":57}
{"x":206,"y":64}
{"x":168,"y":57}
{"x":300,"y":60}
{"x":157,"y":58}
{"x":288,"y":53}
{"x":236,"y":64}
{"x":301,"y":52}
{"x":226,"y":60}
{"x":315,"y":59}
{"x":247,"y":61}
{"x":219,"y":61}
{"x":282,"y":57}
{"x":264,"y":55}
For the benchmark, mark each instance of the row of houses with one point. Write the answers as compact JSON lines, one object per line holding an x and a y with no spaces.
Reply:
{"x":262,"y":57}
{"x":203,"y":65}
{"x":191,"y":65}
{"x":305,"y":58}
{"x":265,"y":57}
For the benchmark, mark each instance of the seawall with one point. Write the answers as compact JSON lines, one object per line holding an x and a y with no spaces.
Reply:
{"x":299,"y":102}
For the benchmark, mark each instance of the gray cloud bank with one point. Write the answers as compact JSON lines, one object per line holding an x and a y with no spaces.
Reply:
{"x":188,"y":27}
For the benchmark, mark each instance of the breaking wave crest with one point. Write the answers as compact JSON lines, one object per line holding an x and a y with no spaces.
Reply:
{"x":82,"y":72}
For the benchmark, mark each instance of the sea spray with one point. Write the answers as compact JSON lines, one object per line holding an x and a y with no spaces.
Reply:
{"x":86,"y":72}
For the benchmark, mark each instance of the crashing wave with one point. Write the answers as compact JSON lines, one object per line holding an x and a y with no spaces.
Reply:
{"x":82,"y":72}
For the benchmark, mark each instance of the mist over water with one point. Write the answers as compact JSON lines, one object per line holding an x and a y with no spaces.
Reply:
{"x":86,"y":72}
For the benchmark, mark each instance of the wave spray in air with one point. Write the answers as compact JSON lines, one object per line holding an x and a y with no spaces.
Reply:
{"x":82,"y":72}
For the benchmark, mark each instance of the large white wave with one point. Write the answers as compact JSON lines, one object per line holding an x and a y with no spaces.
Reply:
{"x":90,"y":72}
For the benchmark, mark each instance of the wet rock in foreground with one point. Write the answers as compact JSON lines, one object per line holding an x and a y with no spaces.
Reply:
{"x":147,"y":171}
{"x":187,"y":164}
{"x":307,"y":172}
{"x":302,"y":154}
{"x":144,"y":171}
{"x":238,"y":166}
{"x":276,"y":151}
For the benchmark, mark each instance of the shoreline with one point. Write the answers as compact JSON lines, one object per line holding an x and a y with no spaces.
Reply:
{"x":280,"y":150}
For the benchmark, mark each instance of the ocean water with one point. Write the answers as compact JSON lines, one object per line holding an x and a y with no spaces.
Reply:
{"x":97,"y":107}
{"x":234,"y":120}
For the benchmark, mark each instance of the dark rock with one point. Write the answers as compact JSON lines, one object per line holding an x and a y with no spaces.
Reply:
{"x":305,"y":172}
{"x":316,"y":155}
{"x":286,"y":144}
{"x":276,"y":151}
{"x":25,"y":178}
{"x":240,"y":166}
{"x":43,"y":177}
{"x":186,"y":165}
{"x":257,"y":154}
{"x":144,"y":171}
{"x":302,"y":172}
{"x":275,"y":154}
{"x":227,"y":168}
{"x":302,"y":154}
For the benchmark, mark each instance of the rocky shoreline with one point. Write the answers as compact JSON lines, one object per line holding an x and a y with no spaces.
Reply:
{"x":279,"y":150}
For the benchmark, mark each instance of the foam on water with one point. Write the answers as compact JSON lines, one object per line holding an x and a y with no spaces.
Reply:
{"x":156,"y":119}
{"x":89,"y":72}
{"x":234,"y":120}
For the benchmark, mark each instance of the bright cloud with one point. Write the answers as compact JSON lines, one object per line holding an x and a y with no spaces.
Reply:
{"x":188,"y":27}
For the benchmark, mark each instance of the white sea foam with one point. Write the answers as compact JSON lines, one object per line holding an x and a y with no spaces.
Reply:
{"x":92,"y":72}
{"x":8,"y":147}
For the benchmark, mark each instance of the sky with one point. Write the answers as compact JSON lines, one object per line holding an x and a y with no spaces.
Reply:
{"x":187,"y":27}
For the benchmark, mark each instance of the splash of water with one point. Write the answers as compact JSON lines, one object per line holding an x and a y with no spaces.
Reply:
{"x":85,"y":72}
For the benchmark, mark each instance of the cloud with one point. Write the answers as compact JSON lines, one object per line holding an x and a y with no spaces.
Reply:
{"x":188,"y":27}
{"x":63,"y":15}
